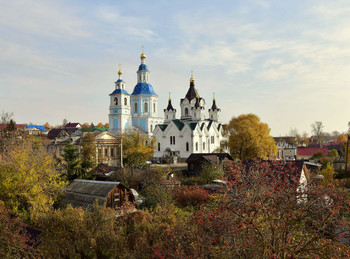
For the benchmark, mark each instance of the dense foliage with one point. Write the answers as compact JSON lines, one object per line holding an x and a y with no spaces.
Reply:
{"x":249,"y":138}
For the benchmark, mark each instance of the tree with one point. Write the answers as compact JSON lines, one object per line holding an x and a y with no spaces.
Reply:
{"x":342,"y":138}
{"x":249,"y":138}
{"x":106,"y":125}
{"x":64,"y":122}
{"x":5,"y":117}
{"x":47,"y":126}
{"x":29,"y":182}
{"x":263,"y":215}
{"x":71,"y":161}
{"x":88,"y":152}
{"x":100,"y":125}
{"x":137,"y":149}
{"x":317,"y":130}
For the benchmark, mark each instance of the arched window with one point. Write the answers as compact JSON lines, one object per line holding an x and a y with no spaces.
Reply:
{"x":186,"y":112}
{"x":158,"y":146}
{"x":187,"y":146}
{"x":196,"y":146}
{"x":154,"y":107}
{"x":203,"y":145}
{"x":145,"y":109}
{"x":135,"y":108}
{"x":116,"y":100}
{"x":125,"y":101}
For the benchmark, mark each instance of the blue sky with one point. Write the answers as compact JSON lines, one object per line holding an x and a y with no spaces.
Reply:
{"x":286,"y":61}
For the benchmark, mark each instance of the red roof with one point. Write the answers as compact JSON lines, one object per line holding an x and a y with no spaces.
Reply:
{"x":309,"y":151}
{"x":72,"y":125}
{"x":18,"y":126}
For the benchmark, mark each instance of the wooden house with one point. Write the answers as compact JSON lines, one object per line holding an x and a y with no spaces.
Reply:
{"x":84,"y":193}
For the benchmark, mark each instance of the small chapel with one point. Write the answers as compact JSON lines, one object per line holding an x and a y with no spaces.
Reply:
{"x":193,"y":132}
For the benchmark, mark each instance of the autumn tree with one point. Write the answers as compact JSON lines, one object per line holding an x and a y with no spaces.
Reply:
{"x":210,"y":172}
{"x":342,"y":138}
{"x":88,"y":152}
{"x":137,"y":149}
{"x":100,"y":125}
{"x":317,"y":130}
{"x":106,"y":125}
{"x":249,"y":138}
{"x":29,"y":182}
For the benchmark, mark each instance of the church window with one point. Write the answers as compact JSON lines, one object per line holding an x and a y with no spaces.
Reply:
{"x":125,"y":101}
{"x":186,"y":111}
{"x":187,"y":146}
{"x":195,"y":115}
{"x":196,"y":146}
{"x":135,"y":108}
{"x":106,"y":152}
{"x":167,"y":117}
{"x":171,"y":140}
{"x":203,"y":145}
{"x":158,"y":146}
{"x":211,"y":116}
{"x":174,"y":140}
{"x":212,"y":139}
{"x":154,"y":107}
{"x":112,"y":152}
{"x":144,"y":77}
{"x":116,"y":100}
{"x":145,"y":108}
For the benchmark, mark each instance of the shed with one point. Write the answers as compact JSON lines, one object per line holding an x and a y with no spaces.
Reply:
{"x":195,"y":162}
{"x":83,"y":193}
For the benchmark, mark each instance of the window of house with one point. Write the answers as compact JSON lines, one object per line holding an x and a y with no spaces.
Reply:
{"x":135,"y":108}
{"x":106,"y":152}
{"x":125,"y":101}
{"x":112,"y":152}
{"x":145,"y":110}
{"x":116,"y":100}
{"x":196,"y":146}
{"x":187,"y":146}
{"x":158,"y":146}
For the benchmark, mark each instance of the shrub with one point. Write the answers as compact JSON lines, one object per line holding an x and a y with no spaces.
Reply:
{"x":190,"y":196}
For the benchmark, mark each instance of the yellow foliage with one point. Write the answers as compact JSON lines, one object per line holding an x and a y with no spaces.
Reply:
{"x":250,"y":139}
{"x":29,"y":182}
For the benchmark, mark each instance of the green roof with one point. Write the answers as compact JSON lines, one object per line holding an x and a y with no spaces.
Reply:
{"x":209,"y":125}
{"x":179,"y":124}
{"x":192,"y":125}
{"x":202,"y":126}
{"x":162,"y":126}
{"x":99,"y":129}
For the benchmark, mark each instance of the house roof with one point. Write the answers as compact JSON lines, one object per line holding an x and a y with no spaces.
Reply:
{"x":40,"y":127}
{"x":103,"y":170}
{"x":18,"y":126}
{"x":310,"y":151}
{"x":72,"y":125}
{"x":210,"y":157}
{"x":54,"y":133}
{"x":192,"y":125}
{"x":83,"y":193}
{"x":162,"y":126}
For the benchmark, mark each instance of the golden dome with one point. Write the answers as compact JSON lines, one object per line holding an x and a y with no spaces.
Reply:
{"x":143,"y":55}
{"x":191,"y":79}
{"x":120,"y":72}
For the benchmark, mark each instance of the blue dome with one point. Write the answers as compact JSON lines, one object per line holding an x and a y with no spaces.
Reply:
{"x":119,"y":91}
{"x":143,"y":67}
{"x":143,"y":88}
{"x":119,"y":80}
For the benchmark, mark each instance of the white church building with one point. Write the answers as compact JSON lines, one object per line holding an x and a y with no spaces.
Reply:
{"x":192,"y":133}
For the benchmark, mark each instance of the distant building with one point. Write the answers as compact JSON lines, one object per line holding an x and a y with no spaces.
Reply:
{"x":305,"y":153}
{"x":196,"y":162}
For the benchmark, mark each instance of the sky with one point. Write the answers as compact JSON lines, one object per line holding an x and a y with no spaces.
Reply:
{"x":286,"y":61}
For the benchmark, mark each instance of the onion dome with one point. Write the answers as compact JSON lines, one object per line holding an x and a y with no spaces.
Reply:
{"x":214,"y":107}
{"x":192,"y":91}
{"x":170,"y":106}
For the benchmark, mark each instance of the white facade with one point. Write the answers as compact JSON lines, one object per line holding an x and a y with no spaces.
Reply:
{"x":193,"y":133}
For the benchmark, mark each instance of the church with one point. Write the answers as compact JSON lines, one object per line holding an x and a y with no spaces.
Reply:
{"x":192,"y":133}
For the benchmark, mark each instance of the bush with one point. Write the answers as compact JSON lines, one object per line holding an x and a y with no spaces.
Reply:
{"x":190,"y":196}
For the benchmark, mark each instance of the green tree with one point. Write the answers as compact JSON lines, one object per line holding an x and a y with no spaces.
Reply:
{"x":328,"y":175}
{"x":71,"y":163}
{"x":249,"y":138}
{"x":29,"y":181}
{"x":11,"y":126}
{"x":137,"y":149}
{"x":88,"y":153}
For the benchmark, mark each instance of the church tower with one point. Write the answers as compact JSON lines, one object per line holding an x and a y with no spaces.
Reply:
{"x":169,"y":112}
{"x":119,"y":107}
{"x":192,"y":106}
{"x":144,"y":101}
{"x":214,"y":111}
